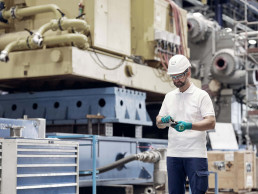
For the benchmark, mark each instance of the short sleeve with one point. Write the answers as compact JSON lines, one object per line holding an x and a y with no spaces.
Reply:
{"x":163,"y":110}
{"x":206,"y":106}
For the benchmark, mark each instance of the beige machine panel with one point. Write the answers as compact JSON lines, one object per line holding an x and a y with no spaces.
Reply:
{"x":149,"y":16}
{"x":111,"y":26}
{"x":70,"y":65}
{"x":109,"y":20}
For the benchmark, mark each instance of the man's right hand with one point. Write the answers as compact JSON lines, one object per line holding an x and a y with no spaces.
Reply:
{"x":166,"y":119}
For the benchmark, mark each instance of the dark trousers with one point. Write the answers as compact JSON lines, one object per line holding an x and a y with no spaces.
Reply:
{"x":196,"y":169}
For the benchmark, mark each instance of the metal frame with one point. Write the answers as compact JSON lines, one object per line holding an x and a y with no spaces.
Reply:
{"x":94,"y":142}
{"x":245,"y":37}
{"x":216,"y":183}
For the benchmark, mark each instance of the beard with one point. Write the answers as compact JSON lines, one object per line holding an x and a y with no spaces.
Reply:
{"x":179,"y":84}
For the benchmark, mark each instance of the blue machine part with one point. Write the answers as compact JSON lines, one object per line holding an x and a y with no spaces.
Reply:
{"x":110,"y":149}
{"x":71,"y":106}
{"x":30,"y":128}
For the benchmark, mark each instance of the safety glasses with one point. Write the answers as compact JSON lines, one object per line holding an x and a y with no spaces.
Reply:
{"x":179,"y":76}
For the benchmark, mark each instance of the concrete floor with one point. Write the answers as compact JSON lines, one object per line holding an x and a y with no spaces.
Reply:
{"x":230,"y":192}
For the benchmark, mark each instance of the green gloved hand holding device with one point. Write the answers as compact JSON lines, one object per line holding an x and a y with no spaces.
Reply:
{"x":182,"y":126}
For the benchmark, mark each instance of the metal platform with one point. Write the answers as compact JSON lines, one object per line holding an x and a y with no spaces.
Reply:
{"x":117,"y":105}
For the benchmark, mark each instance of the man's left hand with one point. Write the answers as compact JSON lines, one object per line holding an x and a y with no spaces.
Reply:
{"x":182,"y":125}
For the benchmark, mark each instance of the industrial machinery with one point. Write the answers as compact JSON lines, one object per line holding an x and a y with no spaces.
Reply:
{"x":228,"y":72}
{"x":90,"y":67}
{"x":64,"y":45}
{"x":218,"y":60}
{"x":47,"y":46}
{"x":31,"y":163}
{"x":99,"y":67}
{"x":130,"y":162}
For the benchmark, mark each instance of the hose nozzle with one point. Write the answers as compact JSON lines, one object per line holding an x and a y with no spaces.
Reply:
{"x":4,"y":56}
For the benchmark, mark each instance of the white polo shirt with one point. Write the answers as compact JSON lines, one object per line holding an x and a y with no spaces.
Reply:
{"x":191,"y":106}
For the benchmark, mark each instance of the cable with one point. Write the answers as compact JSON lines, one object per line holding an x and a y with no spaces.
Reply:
{"x":100,"y":63}
{"x":114,"y":164}
{"x":117,"y":163}
{"x":178,"y":22}
{"x":161,"y":60}
{"x":183,"y":35}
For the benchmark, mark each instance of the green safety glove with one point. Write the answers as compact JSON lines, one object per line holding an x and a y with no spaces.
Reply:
{"x":182,"y":125}
{"x":166,"y":119}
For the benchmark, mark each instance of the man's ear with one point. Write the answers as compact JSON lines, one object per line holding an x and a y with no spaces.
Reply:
{"x":189,"y":72}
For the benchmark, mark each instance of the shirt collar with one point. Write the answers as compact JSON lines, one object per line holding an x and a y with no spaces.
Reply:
{"x":189,"y":90}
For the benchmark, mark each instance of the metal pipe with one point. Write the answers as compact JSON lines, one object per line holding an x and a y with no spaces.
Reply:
{"x":19,"y":13}
{"x":148,"y":156}
{"x":250,"y":23}
{"x":5,"y":39}
{"x":62,"y":24}
{"x":79,"y":40}
{"x":249,"y":33}
{"x":76,"y":24}
{"x":213,"y":42}
{"x":195,"y":2}
{"x":117,"y":163}
{"x":249,"y":5}
{"x":234,"y":22}
{"x":15,"y":45}
{"x":94,"y":173}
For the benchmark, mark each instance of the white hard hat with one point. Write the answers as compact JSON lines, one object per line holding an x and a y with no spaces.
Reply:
{"x":178,"y":64}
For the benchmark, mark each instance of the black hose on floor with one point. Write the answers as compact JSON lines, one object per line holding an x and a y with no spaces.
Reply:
{"x":114,"y":164}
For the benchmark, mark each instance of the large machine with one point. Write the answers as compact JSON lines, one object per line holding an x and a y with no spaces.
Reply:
{"x":77,"y":46}
{"x":99,"y":67}
{"x":227,"y":66}
{"x":90,"y":67}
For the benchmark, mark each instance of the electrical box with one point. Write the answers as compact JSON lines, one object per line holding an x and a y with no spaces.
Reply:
{"x":153,"y":20}
{"x":109,"y":20}
{"x":236,"y":169}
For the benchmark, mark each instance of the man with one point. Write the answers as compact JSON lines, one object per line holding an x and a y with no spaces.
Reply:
{"x":193,"y":111}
